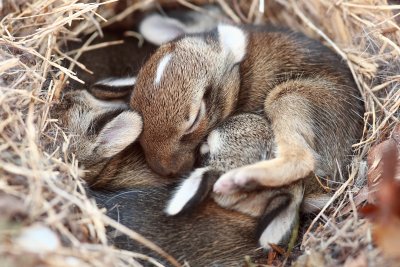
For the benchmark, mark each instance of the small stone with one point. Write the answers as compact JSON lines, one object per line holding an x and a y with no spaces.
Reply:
{"x":72,"y":262}
{"x":38,"y":239}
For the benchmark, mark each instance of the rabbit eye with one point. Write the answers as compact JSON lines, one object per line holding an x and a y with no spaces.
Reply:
{"x":200,"y":113}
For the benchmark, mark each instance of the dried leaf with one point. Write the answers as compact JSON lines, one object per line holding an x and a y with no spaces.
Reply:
{"x":271,"y":257}
{"x":383,"y":161}
{"x":387,"y":237}
{"x":278,"y":249}
{"x":384,"y":173}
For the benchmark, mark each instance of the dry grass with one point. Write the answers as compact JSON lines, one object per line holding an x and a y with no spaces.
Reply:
{"x":366,"y":35}
{"x":39,"y":186}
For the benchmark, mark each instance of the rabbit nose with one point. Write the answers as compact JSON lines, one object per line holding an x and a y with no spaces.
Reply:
{"x":160,"y":169}
{"x":173,"y":167}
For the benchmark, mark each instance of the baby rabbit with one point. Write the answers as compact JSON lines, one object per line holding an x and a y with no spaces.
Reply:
{"x":240,"y":140}
{"x":114,"y":67}
{"x":179,"y":21}
{"x":193,"y":83}
{"x":104,"y":134}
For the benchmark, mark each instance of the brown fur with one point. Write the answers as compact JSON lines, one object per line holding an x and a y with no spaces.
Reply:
{"x":212,"y":236}
{"x":302,"y":87}
{"x":241,"y":140}
{"x":135,"y":195}
{"x":163,"y":135}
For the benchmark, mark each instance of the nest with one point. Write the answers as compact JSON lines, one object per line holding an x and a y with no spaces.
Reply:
{"x":41,"y":192}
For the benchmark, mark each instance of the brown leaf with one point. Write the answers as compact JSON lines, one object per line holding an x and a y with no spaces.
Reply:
{"x":387,"y":237}
{"x":384,"y":167}
{"x":383,"y":161}
{"x":271,"y":257}
{"x":278,"y":249}
{"x":390,"y":187}
{"x":370,"y":210}
{"x":384,"y":185}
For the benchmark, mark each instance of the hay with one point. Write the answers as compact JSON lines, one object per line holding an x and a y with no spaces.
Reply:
{"x":40,"y":189}
{"x":35,"y":173}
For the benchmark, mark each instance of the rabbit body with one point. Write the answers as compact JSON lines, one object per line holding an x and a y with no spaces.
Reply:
{"x":195,"y":82}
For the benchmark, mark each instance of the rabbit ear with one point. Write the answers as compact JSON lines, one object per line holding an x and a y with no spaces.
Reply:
{"x":120,"y":132}
{"x":192,"y":191}
{"x":113,"y":88}
{"x":158,"y":29}
{"x":279,"y":220}
{"x":233,"y":41}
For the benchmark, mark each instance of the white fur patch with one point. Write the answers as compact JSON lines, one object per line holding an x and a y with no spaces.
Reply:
{"x":118,"y":82}
{"x":204,"y":148}
{"x":261,"y":6}
{"x":161,"y":67}
{"x":186,"y":191}
{"x":279,"y":227}
{"x":233,"y":40}
{"x":101,"y":104}
{"x":214,"y":141}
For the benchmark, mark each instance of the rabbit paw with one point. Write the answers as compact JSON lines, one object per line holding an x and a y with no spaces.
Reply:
{"x":234,"y":180}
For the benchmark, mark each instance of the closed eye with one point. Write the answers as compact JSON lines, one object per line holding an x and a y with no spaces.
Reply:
{"x":199,"y":116}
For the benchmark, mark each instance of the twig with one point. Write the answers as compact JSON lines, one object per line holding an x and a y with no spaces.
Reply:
{"x":228,"y":11}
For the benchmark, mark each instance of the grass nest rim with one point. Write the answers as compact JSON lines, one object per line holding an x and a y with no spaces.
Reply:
{"x":41,"y":186}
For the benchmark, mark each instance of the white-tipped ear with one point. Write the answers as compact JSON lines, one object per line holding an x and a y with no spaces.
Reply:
{"x":117,"y":82}
{"x":279,"y":229}
{"x":97,"y":103}
{"x":282,"y":217}
{"x":116,"y":135}
{"x":158,"y":30}
{"x":233,"y":40}
{"x":186,"y":192}
{"x":113,"y":88}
